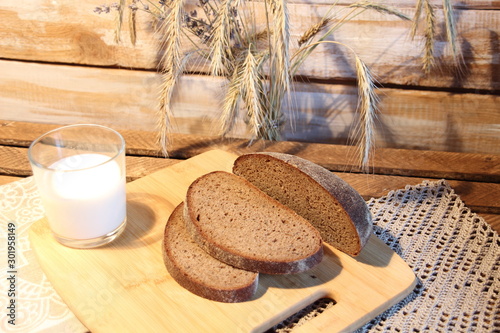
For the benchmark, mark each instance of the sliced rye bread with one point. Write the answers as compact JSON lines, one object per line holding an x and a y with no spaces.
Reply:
{"x":239,"y":224}
{"x":200,"y":273}
{"x":328,"y":202}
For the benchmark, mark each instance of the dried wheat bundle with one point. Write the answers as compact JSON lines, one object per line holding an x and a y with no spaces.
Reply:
{"x":255,"y":57}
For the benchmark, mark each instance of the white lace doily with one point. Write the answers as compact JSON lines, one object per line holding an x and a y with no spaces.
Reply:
{"x":38,"y":307}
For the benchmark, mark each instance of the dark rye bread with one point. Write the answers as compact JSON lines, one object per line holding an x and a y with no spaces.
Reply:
{"x":239,"y":224}
{"x":328,"y":202}
{"x":200,"y":273}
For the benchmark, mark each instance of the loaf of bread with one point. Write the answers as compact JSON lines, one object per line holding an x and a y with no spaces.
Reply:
{"x":199,"y":272}
{"x":329,"y":203}
{"x":239,"y":224}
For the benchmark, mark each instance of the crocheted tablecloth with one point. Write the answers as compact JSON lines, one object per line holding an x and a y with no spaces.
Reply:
{"x":453,"y":252}
{"x":455,"y":255}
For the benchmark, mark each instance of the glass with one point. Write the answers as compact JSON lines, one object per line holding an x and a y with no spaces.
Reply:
{"x":80,"y":174}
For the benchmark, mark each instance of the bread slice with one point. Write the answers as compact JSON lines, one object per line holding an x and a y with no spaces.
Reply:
{"x":329,"y":203}
{"x":200,"y":273}
{"x":239,"y":224}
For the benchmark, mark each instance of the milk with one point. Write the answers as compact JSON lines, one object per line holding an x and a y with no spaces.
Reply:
{"x":86,"y":203}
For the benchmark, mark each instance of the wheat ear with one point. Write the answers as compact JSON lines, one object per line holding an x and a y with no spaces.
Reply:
{"x":313,"y":31}
{"x":231,"y":103}
{"x":367,"y":108}
{"x":171,"y":66}
{"x":279,"y":67}
{"x":220,"y":46}
{"x":416,"y":17}
{"x":251,"y":81}
{"x":428,"y":59}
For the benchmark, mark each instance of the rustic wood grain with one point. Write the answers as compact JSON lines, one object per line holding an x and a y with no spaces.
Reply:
{"x":143,"y":159}
{"x":14,"y":162}
{"x":318,"y":112}
{"x":65,"y":32}
{"x":401,"y":162}
{"x":479,"y":196}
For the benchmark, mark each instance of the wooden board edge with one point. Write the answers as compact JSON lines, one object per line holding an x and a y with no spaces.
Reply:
{"x":337,"y":311}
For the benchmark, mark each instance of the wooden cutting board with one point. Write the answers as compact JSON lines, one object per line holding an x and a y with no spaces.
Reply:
{"x":124,"y":286}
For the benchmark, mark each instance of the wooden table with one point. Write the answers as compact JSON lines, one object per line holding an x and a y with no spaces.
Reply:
{"x":474,"y":177}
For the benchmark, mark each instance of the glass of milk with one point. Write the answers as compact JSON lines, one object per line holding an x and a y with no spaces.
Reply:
{"x":79,"y":171}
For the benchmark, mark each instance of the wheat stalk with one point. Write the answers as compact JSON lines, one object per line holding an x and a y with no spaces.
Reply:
{"x":252,"y":93}
{"x":380,"y":8}
{"x":416,"y":17}
{"x":231,"y":103}
{"x":279,"y":67}
{"x":313,"y":31}
{"x":246,"y":83}
{"x":428,"y":58}
{"x":451,"y":32}
{"x":242,"y":86}
{"x":327,"y":22}
{"x":221,"y":43}
{"x":171,"y":66}
{"x":241,"y":62}
{"x":367,"y":106}
{"x":368,"y":102}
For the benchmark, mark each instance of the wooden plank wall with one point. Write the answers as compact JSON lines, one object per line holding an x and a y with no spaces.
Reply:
{"x":59,"y":63}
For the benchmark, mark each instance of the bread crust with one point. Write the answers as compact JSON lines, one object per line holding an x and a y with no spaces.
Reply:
{"x":186,"y":277}
{"x":359,"y":216}
{"x":248,"y":261}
